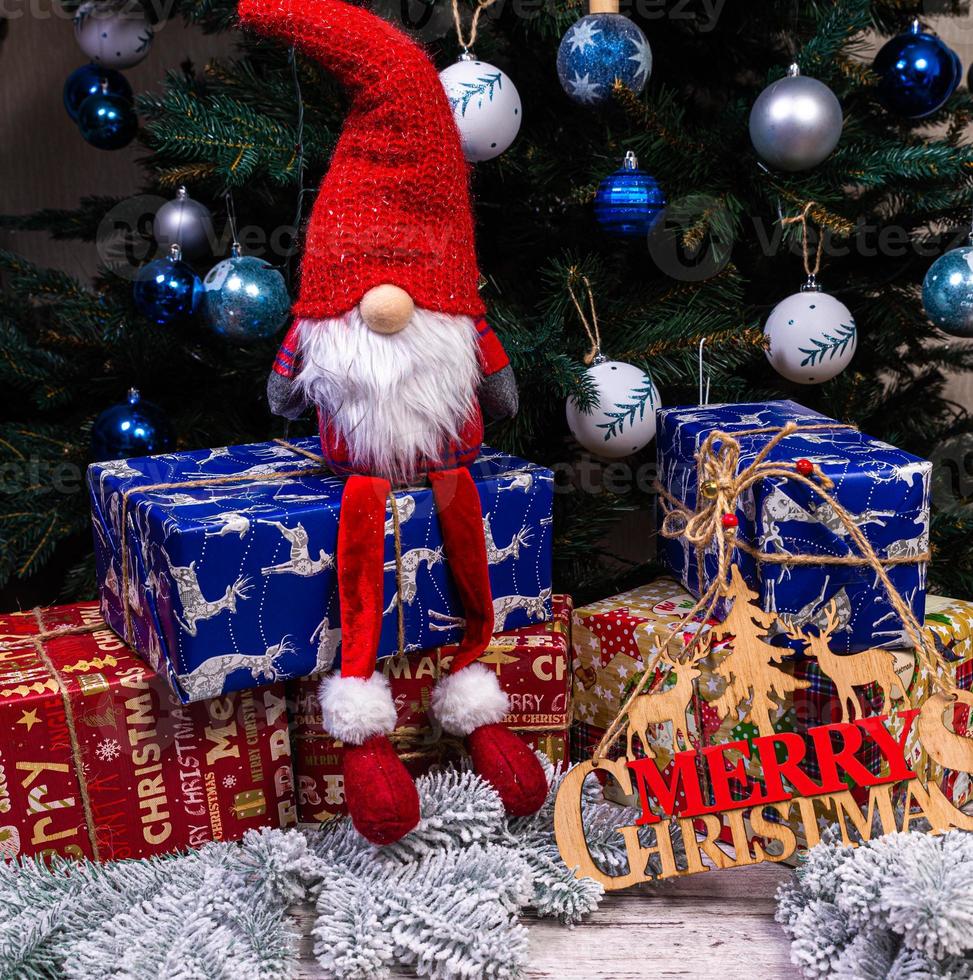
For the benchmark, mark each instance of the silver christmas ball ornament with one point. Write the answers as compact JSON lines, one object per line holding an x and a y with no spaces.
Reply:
{"x":947,"y":292}
{"x":796,"y":122}
{"x":186,"y":223}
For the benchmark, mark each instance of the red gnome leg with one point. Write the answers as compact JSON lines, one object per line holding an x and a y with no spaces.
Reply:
{"x":357,"y":706}
{"x":469,"y":702}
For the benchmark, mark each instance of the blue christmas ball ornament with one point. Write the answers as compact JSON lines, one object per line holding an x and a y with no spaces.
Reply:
{"x":167,"y":290}
{"x":86,"y":80}
{"x":947,"y":292}
{"x":107,"y":121}
{"x":246,"y":298}
{"x":629,"y":202}
{"x":131,"y":428}
{"x":596,"y":51}
{"x":917,"y":73}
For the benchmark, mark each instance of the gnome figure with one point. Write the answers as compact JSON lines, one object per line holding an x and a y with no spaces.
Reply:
{"x":391,"y":346}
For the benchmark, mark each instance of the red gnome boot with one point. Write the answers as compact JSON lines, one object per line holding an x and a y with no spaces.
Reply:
{"x":469,"y":703}
{"x":357,"y":706}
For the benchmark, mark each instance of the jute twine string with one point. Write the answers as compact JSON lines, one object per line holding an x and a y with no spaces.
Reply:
{"x":467,"y":43}
{"x":37,"y":641}
{"x":803,"y":220}
{"x":590,"y":324}
{"x":717,"y":461}
{"x":278,"y":476}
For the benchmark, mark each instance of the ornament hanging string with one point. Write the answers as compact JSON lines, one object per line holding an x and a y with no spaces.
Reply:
{"x":298,"y":155}
{"x":717,"y":463}
{"x":467,"y":43}
{"x":590,"y":325}
{"x":231,"y":217}
{"x":803,"y":219}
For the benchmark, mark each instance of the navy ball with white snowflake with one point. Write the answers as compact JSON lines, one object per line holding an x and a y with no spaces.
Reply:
{"x":596,"y":51}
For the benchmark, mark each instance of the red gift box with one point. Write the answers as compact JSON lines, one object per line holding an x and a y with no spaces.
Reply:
{"x":531,"y":663}
{"x":100,"y":760}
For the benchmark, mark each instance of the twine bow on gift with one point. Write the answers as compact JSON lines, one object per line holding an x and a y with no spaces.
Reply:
{"x":721,"y":484}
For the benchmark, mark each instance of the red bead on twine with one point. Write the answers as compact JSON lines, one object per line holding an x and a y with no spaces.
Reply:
{"x":805,"y":467}
{"x":730,"y":521}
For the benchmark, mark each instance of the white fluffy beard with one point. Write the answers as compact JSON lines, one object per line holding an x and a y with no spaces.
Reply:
{"x":396,"y":399}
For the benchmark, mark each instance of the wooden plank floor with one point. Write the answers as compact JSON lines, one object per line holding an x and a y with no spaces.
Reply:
{"x":713,"y":926}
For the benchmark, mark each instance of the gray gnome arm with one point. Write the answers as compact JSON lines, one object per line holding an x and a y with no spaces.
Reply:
{"x":498,"y":394}
{"x":285,"y":397}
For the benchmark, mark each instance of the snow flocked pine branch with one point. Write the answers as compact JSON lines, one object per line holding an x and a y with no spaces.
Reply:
{"x":897,"y":907}
{"x":445,"y":901}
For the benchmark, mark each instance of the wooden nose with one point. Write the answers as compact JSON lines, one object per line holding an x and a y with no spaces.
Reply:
{"x":386,"y":308}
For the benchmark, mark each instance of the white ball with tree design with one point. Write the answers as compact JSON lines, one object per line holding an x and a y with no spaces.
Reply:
{"x":622,"y":419}
{"x":486,"y":107}
{"x":812,"y":336}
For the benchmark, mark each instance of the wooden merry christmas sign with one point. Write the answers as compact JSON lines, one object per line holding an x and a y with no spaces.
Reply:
{"x":698,"y":795}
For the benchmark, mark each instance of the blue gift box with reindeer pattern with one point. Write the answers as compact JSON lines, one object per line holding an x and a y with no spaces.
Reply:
{"x":218,"y":566}
{"x":885,"y":489}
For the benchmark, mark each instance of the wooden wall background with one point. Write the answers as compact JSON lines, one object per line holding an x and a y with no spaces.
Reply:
{"x":45,"y":163}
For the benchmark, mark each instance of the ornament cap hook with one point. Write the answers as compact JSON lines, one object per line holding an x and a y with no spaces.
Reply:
{"x":466,"y":55}
{"x":181,"y":193}
{"x":599,"y":358}
{"x":631,"y":161}
{"x":236,"y":250}
{"x":175,"y":251}
{"x":916,"y":26}
{"x":103,"y":85}
{"x":134,"y":396}
{"x":793,"y":70}
{"x":812,"y":285}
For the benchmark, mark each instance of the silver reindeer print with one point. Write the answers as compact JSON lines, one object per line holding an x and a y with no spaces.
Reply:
{"x":534,"y":606}
{"x":497,"y":555}
{"x":229,"y":522}
{"x":412,"y":561}
{"x":328,"y":641}
{"x":300,"y":562}
{"x":195,"y":606}
{"x":407,"y":508}
{"x":207,"y":680}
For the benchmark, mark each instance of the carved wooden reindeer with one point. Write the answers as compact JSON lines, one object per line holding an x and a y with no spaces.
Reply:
{"x":851,"y":670}
{"x":668,"y":705}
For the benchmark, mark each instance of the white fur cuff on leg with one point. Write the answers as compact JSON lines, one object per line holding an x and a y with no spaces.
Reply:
{"x":468,"y":699}
{"x":354,"y":709}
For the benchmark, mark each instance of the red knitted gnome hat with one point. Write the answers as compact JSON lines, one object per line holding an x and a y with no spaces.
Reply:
{"x":394,"y":206}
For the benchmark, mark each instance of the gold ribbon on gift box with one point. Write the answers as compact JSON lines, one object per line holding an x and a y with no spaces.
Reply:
{"x":230,"y":478}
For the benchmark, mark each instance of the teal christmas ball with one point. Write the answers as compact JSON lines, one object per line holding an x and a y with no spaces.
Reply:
{"x":947,"y":292}
{"x":596,"y":51}
{"x":245,"y":299}
{"x":167,"y":290}
{"x":86,"y":80}
{"x":131,"y":428}
{"x":629,"y":202}
{"x":107,"y":121}
{"x":917,"y":73}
